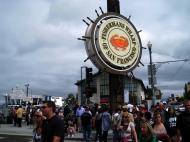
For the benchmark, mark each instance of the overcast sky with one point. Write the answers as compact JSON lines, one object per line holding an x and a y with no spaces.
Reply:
{"x":39,"y":46}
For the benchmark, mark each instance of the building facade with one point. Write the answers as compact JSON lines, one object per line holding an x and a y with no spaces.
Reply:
{"x":133,"y":90}
{"x":188,"y":87}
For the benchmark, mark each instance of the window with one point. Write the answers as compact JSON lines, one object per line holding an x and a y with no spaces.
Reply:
{"x":130,"y":85}
{"x":104,"y":84}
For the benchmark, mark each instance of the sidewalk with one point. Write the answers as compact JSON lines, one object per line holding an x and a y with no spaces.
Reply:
{"x":9,"y":129}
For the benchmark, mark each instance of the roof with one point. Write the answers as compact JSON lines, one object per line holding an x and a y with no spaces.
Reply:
{"x":99,"y":72}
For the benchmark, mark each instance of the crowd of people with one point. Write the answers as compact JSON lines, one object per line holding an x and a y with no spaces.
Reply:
{"x":136,"y":124}
{"x":127,"y":124}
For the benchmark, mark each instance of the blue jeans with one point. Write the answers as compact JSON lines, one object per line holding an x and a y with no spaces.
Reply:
{"x":105,"y":136}
{"x":87,"y":132}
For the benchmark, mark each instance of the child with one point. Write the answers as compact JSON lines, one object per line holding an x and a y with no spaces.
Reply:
{"x":71,"y":129}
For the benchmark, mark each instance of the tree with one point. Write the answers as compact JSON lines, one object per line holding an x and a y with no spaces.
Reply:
{"x":70,"y":100}
{"x":186,"y":93}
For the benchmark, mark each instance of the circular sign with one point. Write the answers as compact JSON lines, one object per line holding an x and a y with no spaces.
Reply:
{"x":113,"y":43}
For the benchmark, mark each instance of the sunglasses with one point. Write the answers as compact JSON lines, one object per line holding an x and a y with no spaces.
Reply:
{"x":38,"y":116}
{"x":43,"y":107}
{"x":125,"y":125}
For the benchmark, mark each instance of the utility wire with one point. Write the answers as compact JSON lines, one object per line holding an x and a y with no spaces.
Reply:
{"x":164,"y":62}
{"x":159,"y":64}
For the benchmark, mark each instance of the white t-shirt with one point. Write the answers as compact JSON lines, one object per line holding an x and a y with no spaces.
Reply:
{"x":127,"y":133}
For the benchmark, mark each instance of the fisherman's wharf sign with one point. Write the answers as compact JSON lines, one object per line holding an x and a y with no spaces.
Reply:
{"x":113,"y":43}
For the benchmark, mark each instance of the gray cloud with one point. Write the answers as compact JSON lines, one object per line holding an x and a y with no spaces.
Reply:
{"x":39,"y":46}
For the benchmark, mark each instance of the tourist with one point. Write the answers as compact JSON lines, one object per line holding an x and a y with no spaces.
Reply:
{"x":106,"y":123}
{"x":37,"y":132}
{"x":53,"y":125}
{"x":183,"y":123}
{"x":159,"y":128}
{"x":86,"y":120}
{"x":128,"y":129}
{"x":146,"y":133}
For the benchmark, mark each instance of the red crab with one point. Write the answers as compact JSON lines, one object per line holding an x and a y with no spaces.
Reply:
{"x":119,"y":42}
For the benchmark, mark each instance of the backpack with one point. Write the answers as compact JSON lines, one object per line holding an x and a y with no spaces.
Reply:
{"x":106,"y":121}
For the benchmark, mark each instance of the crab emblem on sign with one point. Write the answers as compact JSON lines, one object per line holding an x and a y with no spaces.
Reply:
{"x":119,"y":42}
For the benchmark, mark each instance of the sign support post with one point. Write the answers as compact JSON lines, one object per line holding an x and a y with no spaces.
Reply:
{"x":116,"y":81}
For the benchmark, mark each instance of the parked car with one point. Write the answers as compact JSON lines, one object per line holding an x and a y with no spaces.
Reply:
{"x":177,"y":106}
{"x":181,"y":108}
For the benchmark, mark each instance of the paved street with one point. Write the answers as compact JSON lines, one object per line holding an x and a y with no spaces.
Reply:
{"x":14,"y":138}
{"x":10,"y":133}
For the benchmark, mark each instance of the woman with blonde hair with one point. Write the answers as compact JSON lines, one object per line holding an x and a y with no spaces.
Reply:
{"x":38,"y":126}
{"x":146,"y":134}
{"x":128,"y":132}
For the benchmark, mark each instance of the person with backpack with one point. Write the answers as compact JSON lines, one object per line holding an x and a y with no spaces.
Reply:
{"x":86,"y":119}
{"x":106,"y":123}
{"x":116,"y":122}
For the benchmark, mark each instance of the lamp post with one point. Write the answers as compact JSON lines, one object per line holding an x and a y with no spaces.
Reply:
{"x":82,"y":96}
{"x":6,"y":100}
{"x":151,"y":72}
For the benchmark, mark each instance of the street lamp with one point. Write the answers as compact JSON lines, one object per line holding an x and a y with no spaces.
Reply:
{"x":151,"y":72}
{"x":6,"y":100}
